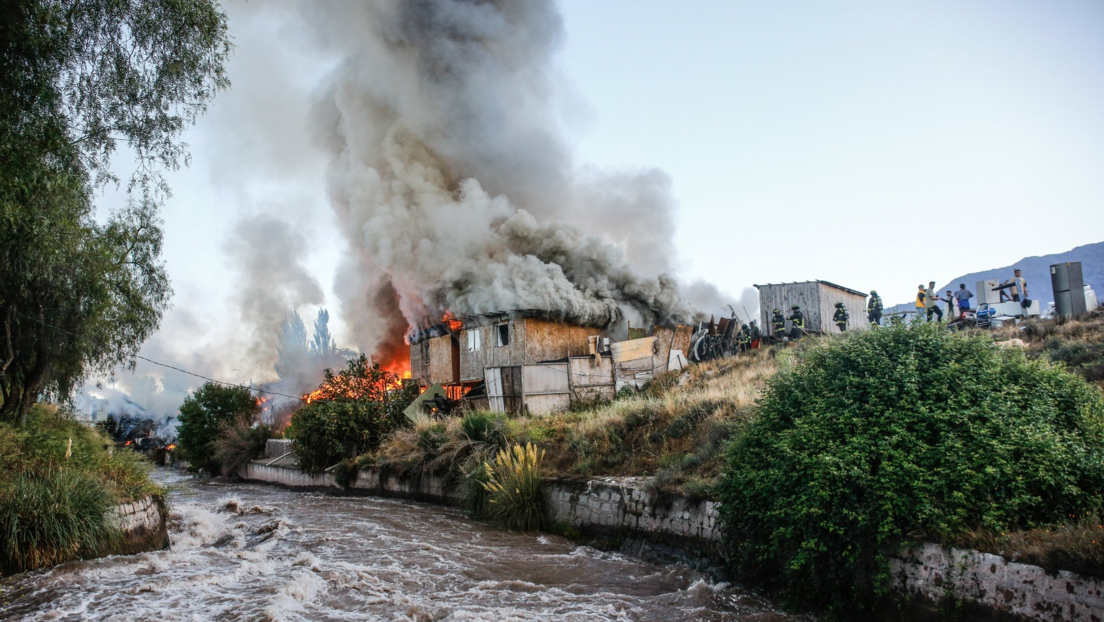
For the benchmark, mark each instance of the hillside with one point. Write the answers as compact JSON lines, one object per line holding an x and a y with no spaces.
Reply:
{"x":1037,"y":272}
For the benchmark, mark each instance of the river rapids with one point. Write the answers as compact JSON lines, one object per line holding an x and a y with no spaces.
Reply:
{"x":244,"y":552}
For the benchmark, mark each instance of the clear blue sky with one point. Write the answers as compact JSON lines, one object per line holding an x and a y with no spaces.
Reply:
{"x":876,"y":145}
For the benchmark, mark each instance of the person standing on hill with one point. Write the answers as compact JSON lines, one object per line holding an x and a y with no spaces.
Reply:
{"x":756,"y":335}
{"x":1019,"y":289}
{"x":874,"y":309}
{"x":840,"y":317}
{"x":921,"y":301}
{"x":778,"y":325}
{"x":797,"y":319}
{"x":931,"y":300}
{"x":963,"y":297}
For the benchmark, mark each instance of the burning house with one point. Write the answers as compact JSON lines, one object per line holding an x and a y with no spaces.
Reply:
{"x":519,"y":362}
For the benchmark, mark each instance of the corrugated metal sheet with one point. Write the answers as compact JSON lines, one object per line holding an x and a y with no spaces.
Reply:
{"x":591,"y":379}
{"x":544,"y":379}
{"x":632,"y":350}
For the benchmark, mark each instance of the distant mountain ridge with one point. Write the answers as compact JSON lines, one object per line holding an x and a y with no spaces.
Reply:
{"x":1037,"y":272}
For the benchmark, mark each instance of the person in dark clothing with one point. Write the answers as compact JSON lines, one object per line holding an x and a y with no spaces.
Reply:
{"x":874,"y":309}
{"x":840,"y":317}
{"x":797,"y":320}
{"x":962,"y":297}
{"x":756,"y":335}
{"x":744,"y":338}
{"x":778,"y":325}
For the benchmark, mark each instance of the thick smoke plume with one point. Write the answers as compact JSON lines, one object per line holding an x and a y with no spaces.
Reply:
{"x":453,"y":184}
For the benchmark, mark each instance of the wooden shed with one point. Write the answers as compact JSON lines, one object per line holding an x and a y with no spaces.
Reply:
{"x":817,"y":300}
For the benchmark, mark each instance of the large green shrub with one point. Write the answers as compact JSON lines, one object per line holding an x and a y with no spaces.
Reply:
{"x":887,"y":437}
{"x":324,"y":433}
{"x":204,"y":416}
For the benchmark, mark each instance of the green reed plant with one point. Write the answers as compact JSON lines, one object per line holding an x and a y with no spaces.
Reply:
{"x":515,"y":489}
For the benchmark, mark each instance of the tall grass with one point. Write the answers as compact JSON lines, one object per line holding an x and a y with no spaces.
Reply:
{"x":51,"y":516}
{"x":515,"y":491}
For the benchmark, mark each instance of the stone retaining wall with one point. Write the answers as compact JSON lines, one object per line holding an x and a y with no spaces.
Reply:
{"x":936,"y":573}
{"x":669,"y":528}
{"x":143,"y":525}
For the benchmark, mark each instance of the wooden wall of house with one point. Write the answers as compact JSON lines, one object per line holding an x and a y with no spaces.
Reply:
{"x":443,"y":365}
{"x":854,"y":303}
{"x":419,"y":361}
{"x":472,"y":362}
{"x":543,"y":340}
{"x":667,"y":339}
{"x":532,"y":340}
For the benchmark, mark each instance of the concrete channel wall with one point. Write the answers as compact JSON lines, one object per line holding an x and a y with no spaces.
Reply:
{"x":678,"y":529}
{"x":143,"y":523}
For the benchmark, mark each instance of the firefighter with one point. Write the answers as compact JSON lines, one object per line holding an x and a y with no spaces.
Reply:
{"x":745,"y":338}
{"x":778,"y":325}
{"x":798,"y":321}
{"x":840,"y":317}
{"x":874,"y":309}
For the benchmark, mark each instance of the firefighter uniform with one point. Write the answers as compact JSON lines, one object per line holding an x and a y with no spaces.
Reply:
{"x":798,"y":321}
{"x":778,"y":325}
{"x":840,"y":317}
{"x":874,"y":309}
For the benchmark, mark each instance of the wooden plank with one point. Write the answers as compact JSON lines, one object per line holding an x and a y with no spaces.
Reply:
{"x":632,"y":350}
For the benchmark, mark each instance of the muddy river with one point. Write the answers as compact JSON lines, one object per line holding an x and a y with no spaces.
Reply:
{"x":248,"y":552}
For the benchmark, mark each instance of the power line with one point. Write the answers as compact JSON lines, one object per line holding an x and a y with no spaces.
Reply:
{"x":165,"y":365}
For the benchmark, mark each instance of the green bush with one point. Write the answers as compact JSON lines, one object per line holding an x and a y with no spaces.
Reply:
{"x":883,"y":438}
{"x":484,"y":427}
{"x":204,"y":416}
{"x":324,"y":433}
{"x":51,"y":516}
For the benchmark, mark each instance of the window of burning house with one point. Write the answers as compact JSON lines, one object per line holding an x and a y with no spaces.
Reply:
{"x":502,"y":335}
{"x":474,"y":338}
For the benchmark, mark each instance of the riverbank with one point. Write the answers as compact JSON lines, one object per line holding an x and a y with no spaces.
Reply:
{"x":243,"y":551}
{"x":670,"y":528}
{"x":67,"y":493}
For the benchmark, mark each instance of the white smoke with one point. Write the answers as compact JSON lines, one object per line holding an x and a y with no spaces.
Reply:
{"x":452,"y":182}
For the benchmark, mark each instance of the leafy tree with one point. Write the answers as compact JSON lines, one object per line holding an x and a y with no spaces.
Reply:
{"x":204,"y":415}
{"x":350,"y":413}
{"x":77,"y":79}
{"x":883,"y":438}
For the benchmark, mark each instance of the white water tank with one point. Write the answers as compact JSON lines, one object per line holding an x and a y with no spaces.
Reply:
{"x":1090,"y":300}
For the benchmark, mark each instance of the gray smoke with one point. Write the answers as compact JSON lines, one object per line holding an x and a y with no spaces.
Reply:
{"x":266,"y":254}
{"x":452,"y":182}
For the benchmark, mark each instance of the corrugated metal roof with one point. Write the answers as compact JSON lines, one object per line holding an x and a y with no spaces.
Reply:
{"x":828,"y":283}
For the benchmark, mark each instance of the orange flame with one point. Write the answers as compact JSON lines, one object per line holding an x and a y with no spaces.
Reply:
{"x":170,"y":447}
{"x":454,"y":324}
